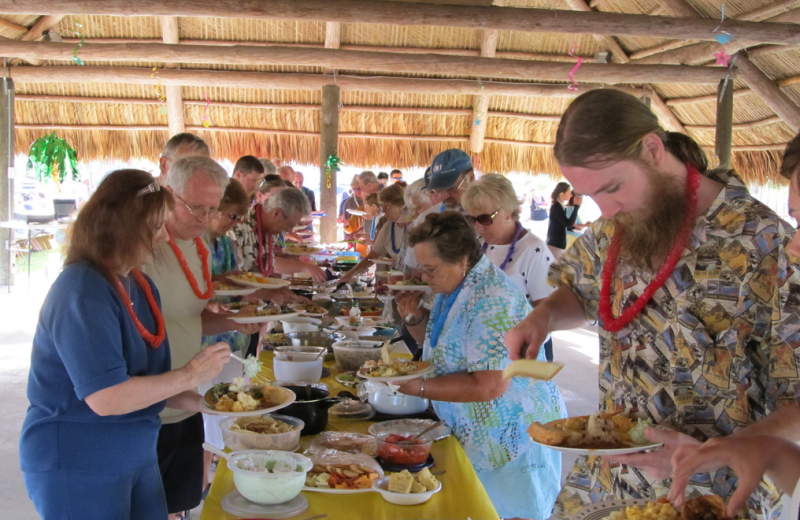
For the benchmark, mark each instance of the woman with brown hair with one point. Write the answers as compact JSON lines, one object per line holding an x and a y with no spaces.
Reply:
{"x":560,"y":223}
{"x":100,"y":364}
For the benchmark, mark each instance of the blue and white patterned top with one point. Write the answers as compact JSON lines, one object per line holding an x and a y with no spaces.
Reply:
{"x":492,"y":433}
{"x":223,"y":259}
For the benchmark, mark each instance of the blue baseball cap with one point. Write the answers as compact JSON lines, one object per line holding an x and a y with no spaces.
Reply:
{"x":446,"y":168}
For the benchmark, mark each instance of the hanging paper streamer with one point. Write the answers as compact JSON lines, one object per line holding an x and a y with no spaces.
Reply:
{"x":480,"y":114}
{"x":727,"y":77}
{"x":158,"y":90}
{"x":206,"y":120}
{"x":80,"y":35}
{"x":476,"y":164}
{"x":333,"y":164}
{"x":574,"y":85}
{"x":724,"y":36}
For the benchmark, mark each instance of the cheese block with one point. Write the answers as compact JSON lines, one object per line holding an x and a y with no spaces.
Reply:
{"x":532,"y":368}
{"x":427,"y":479}
{"x":401,"y":482}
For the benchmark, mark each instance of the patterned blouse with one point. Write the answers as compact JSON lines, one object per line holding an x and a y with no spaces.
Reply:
{"x":714,"y":350}
{"x":493,"y":433}
{"x":223,"y":259}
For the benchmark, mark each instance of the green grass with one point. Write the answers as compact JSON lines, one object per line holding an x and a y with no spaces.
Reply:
{"x":39,"y":261}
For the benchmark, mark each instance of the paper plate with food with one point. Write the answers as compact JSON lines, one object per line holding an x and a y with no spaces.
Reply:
{"x":310,"y":309}
{"x":394,"y":371}
{"x":238,"y":399}
{"x":698,"y":508}
{"x":264,"y":315}
{"x":342,"y":473}
{"x":300,"y":249}
{"x":596,"y":434}
{"x":259,"y":282}
{"x":410,"y":285}
{"x":226,"y":289}
{"x":238,"y":306}
{"x":357,"y":212}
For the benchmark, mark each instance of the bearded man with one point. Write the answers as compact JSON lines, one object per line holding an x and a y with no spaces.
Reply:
{"x":686,"y":274}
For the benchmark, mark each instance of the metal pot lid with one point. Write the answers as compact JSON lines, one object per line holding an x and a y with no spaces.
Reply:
{"x":351,"y":409}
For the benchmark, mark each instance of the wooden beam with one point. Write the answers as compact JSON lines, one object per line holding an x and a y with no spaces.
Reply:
{"x":333,"y":35}
{"x":608,"y":43}
{"x":769,"y":9}
{"x":768,"y":92}
{"x":668,"y":120}
{"x":739,"y":126}
{"x":468,"y":17}
{"x":6,"y":180}
{"x":610,"y":73}
{"x":723,"y":140}
{"x":329,"y":138}
{"x":679,"y":8}
{"x":668,"y":46}
{"x":14,"y":27}
{"x":704,"y":99}
{"x":45,"y":23}
{"x":175,"y":118}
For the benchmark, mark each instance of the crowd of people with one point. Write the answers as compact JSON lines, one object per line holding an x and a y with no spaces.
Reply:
{"x":692,"y":282}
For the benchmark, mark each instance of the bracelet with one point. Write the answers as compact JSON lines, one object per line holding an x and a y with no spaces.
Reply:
{"x":422,"y":388}
{"x":422,"y":317}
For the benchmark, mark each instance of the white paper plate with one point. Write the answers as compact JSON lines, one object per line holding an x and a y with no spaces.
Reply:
{"x":263,"y":319}
{"x":600,"y":510}
{"x":210,"y":411}
{"x":313,"y":314}
{"x":235,"y":292}
{"x":274,"y":283}
{"x":235,"y":504}
{"x":608,"y":452}
{"x":383,"y":261}
{"x":357,"y":212}
{"x":399,"y":287}
{"x":393,"y":379}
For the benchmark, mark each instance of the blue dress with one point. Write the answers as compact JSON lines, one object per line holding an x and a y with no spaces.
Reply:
{"x":522,"y":478}
{"x":86,"y":341}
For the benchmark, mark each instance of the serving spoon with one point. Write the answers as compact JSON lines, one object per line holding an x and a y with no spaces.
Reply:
{"x":423,"y":432}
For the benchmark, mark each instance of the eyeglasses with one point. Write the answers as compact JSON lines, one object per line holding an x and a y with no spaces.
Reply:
{"x":357,"y":189}
{"x":430,"y":273}
{"x":200,"y":212}
{"x":483,"y":220}
{"x":234,"y":217}
{"x":452,"y":188}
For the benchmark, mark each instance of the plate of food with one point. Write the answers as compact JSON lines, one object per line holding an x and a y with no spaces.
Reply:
{"x":357,"y":212}
{"x":410,"y":285}
{"x":300,"y":249}
{"x":310,"y":309}
{"x":596,"y":434}
{"x":349,"y":379}
{"x":394,"y":371}
{"x":259,"y":282}
{"x":237,"y":306}
{"x":264,"y":315}
{"x":348,"y":442}
{"x":237,"y":399}
{"x":697,"y":508}
{"x":342,"y":478}
{"x":224,"y":289}
{"x":383,"y":261}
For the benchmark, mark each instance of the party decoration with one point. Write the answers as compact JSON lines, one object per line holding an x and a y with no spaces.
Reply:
{"x":574,"y":85}
{"x":722,"y":57}
{"x":50,"y":158}
{"x":206,"y":119}
{"x":476,"y":163}
{"x":80,"y":35}
{"x":158,"y":90}
{"x":727,"y":77}
{"x":333,"y":164}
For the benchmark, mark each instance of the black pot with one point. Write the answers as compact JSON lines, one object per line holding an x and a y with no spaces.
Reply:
{"x":313,"y":411}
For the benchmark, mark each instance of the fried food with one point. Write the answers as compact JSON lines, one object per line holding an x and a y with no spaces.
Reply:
{"x":395,"y":368}
{"x":238,"y":397}
{"x":652,"y":511}
{"x":260,"y":424}
{"x":705,"y":507}
{"x":341,"y":476}
{"x":597,"y":431}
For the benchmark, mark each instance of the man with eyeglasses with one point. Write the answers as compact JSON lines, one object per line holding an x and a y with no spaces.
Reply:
{"x":396,"y":176}
{"x":182,"y":273}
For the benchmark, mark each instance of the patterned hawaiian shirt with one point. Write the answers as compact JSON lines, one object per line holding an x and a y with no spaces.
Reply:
{"x":492,"y":433}
{"x":714,"y":350}
{"x":247,"y":242}
{"x":223,"y":259}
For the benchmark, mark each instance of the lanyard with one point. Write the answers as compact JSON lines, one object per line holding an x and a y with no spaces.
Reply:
{"x":445,"y":304}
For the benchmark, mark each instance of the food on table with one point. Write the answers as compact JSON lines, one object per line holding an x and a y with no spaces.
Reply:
{"x":349,"y":378}
{"x":237,"y":306}
{"x":366,"y":310}
{"x":341,"y":476}
{"x":350,"y":355}
{"x":412,"y":281}
{"x":274,"y":339}
{"x":704,"y":507}
{"x":404,"y":482}
{"x":239,"y":397}
{"x":221,"y":286}
{"x":311,"y":307}
{"x":251,"y":277}
{"x":356,"y":443}
{"x":401,"y":450}
{"x":598,"y":431}
{"x":397,"y":367}
{"x":301,"y":249}
{"x":532,"y":368}
{"x":651,"y":511}
{"x":269,"y":310}
{"x":260,"y":424}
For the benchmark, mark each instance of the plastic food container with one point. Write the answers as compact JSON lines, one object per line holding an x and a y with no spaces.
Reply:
{"x":351,"y":355}
{"x":298,"y":367}
{"x":246,"y":440}
{"x":402,"y":499}
{"x":268,"y":487}
{"x":392,"y":450}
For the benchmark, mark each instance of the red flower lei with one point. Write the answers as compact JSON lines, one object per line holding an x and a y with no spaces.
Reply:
{"x":201,"y":249}
{"x":260,"y":233}
{"x":161,"y":332}
{"x":612,"y":324}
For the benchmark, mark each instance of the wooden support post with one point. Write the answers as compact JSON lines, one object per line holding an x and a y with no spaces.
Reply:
{"x":480,"y":113}
{"x":329,"y":136}
{"x":768,"y":91}
{"x":724,"y":138}
{"x":6,"y":180}
{"x":333,"y":35}
{"x":175,"y":118}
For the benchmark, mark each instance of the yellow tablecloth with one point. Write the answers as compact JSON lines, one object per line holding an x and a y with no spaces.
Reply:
{"x":462,"y":495}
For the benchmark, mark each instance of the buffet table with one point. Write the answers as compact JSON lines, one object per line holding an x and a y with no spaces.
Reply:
{"x":462,"y":495}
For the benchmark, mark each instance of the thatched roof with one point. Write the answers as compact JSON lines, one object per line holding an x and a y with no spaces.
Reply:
{"x":93,"y":116}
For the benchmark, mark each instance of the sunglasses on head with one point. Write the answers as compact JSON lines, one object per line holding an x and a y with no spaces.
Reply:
{"x":483,"y":220}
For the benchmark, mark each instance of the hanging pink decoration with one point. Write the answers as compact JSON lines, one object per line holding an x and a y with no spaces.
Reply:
{"x":722,"y":57}
{"x":206,"y":119}
{"x":574,"y":85}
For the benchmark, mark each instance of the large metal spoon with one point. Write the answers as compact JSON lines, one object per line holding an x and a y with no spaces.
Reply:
{"x":423,"y":432}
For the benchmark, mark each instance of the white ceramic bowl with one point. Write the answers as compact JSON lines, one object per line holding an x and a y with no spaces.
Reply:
{"x":402,"y":499}
{"x":302,"y":367}
{"x":299,"y":327}
{"x":263,"y":487}
{"x":245,"y":440}
{"x":385,"y":401}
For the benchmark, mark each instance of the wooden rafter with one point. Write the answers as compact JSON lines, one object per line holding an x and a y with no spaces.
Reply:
{"x":170,"y":33}
{"x":333,"y":35}
{"x":768,"y":92}
{"x":608,"y":43}
{"x":361,"y":11}
{"x":679,"y":8}
{"x":45,"y":23}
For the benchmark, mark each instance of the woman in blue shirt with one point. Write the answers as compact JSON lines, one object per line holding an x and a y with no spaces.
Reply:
{"x":100,"y":365}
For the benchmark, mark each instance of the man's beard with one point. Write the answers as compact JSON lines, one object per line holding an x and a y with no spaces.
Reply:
{"x":649,"y":234}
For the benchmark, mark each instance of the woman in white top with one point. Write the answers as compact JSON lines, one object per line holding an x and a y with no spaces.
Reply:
{"x":492,"y":207}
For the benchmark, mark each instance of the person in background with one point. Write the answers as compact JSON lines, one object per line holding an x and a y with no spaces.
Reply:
{"x":383,"y":178}
{"x":100,"y":364}
{"x":475,"y":305}
{"x":269,"y":167}
{"x":249,"y":171}
{"x":396,"y":176}
{"x":353,"y":224}
{"x":286,"y":173}
{"x":559,"y":222}
{"x":369,"y":185}
{"x":577,"y":229}
{"x":180,"y":146}
{"x":298,"y":182}
{"x":182,"y":273}
{"x":492,"y":207}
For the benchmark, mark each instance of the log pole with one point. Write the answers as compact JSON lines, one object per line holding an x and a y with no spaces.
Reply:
{"x":329,"y":136}
{"x":6,"y":179}
{"x":723,"y":141}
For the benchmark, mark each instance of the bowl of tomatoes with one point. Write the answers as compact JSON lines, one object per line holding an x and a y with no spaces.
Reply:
{"x":403,"y":450}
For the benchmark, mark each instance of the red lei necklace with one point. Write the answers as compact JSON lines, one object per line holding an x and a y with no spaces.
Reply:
{"x":266,"y":271}
{"x":161,"y":332}
{"x":612,"y":324}
{"x":201,"y":249}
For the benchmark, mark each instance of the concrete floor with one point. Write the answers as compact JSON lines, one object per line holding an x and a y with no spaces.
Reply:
{"x":19,"y":311}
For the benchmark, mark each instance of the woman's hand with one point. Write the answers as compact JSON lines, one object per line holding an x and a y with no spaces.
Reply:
{"x":207,"y":363}
{"x":411,"y":387}
{"x":658,"y":464}
{"x":317,"y":274}
{"x":578,"y":200}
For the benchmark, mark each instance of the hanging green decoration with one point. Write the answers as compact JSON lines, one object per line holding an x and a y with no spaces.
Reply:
{"x":334,"y":164}
{"x":50,"y":158}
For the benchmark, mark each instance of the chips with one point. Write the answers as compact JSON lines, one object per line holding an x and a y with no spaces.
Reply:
{"x":260,"y":424}
{"x":341,"y":476}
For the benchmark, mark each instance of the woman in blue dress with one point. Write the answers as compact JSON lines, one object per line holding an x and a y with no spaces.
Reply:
{"x":100,"y":365}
